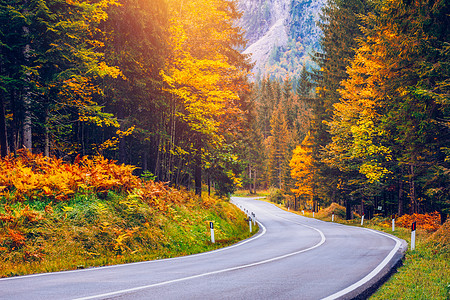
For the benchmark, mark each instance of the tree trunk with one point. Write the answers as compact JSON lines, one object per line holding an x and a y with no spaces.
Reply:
{"x":254,"y":182}
{"x":198,"y":177}
{"x":26,"y":126}
{"x":348,"y":210}
{"x":47,"y":137}
{"x":400,"y":198}
{"x":26,"y":129}
{"x":250,"y":178}
{"x":158,"y":159}
{"x":14,"y":135}
{"x":83,"y":144}
{"x":198,"y":167}
{"x":3,"y":133}
{"x":209,"y":185}
{"x":412,"y":190}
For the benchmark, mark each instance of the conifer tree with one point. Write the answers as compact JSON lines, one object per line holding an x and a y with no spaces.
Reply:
{"x":278,"y":144}
{"x":137,"y":43}
{"x":340,"y":24}
{"x":54,"y":73}
{"x":385,"y":125}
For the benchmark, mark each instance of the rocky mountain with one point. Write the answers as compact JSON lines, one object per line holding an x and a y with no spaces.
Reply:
{"x":281,"y":34}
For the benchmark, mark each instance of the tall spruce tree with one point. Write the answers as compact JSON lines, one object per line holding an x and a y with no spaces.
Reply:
{"x":340,"y":24}
{"x":50,"y":69}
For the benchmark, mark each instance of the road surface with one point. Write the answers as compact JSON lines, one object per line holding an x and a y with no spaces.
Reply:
{"x":292,"y":257}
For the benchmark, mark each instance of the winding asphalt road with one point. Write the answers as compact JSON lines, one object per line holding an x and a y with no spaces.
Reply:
{"x":292,"y":257}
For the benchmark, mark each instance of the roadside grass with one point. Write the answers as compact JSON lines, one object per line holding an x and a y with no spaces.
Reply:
{"x":246,"y":193}
{"x":425,"y":272}
{"x":424,"y":275}
{"x":88,"y":231}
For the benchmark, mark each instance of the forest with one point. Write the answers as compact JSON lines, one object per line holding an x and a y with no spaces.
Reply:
{"x":160,"y":85}
{"x":155,"y":84}
{"x":369,"y":126}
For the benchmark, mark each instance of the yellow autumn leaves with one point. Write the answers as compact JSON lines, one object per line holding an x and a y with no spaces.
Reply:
{"x":198,"y":73}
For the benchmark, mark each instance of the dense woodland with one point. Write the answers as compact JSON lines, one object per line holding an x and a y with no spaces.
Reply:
{"x":157,"y":84}
{"x":160,"y":85}
{"x":379,"y":137}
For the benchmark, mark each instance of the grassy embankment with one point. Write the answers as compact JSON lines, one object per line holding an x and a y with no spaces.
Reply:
{"x":425,"y":273}
{"x":56,"y":216}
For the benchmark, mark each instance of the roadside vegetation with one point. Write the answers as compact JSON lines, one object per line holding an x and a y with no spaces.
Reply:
{"x":57,"y":216}
{"x":246,"y":193}
{"x":424,"y":273}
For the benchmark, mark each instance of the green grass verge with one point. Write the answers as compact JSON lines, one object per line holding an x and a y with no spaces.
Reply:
{"x":89,"y":231}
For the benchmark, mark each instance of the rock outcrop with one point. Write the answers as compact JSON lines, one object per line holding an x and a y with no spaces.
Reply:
{"x":280,"y":34}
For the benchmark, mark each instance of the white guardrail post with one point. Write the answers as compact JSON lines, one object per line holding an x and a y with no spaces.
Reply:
{"x":413,"y":235}
{"x":211,"y":226}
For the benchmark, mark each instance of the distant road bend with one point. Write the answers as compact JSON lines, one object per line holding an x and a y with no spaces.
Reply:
{"x":292,"y":257}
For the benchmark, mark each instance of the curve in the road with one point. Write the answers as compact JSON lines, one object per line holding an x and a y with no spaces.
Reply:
{"x":369,"y":276}
{"x":337,"y":261}
{"x":322,"y":240}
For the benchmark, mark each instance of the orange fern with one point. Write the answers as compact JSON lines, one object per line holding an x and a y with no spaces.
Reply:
{"x":428,"y":222}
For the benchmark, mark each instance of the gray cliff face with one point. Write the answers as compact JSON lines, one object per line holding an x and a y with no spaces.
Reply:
{"x":260,"y":15}
{"x":280,"y":34}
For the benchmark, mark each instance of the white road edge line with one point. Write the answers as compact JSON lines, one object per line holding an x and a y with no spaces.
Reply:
{"x":322,"y":240}
{"x":374,"y":272}
{"x":257,"y":236}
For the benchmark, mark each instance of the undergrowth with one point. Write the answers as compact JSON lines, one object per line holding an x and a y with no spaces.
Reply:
{"x":56,"y":216}
{"x":246,"y":193}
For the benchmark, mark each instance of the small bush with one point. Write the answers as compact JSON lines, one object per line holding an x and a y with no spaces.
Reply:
{"x":339,"y":211}
{"x":276,"y":196}
{"x":428,"y":222}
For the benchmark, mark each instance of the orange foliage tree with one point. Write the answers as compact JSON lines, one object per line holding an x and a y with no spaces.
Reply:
{"x":302,"y":170}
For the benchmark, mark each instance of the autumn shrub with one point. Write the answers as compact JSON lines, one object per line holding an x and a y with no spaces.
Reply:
{"x":276,"y":196}
{"x":20,"y":236}
{"x":27,"y":176}
{"x":429,"y":222}
{"x":338,"y":210}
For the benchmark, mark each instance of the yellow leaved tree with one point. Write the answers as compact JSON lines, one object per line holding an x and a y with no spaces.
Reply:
{"x":303,"y":169}
{"x":201,"y":75}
